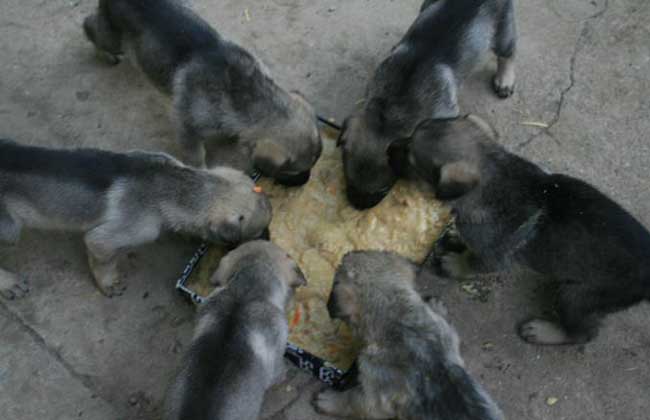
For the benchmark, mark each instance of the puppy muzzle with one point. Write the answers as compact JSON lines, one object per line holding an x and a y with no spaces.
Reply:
{"x":362,"y":200}
{"x":293,"y":180}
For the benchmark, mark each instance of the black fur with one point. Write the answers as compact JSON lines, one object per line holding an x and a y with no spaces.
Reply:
{"x":90,"y":167}
{"x":595,"y":252}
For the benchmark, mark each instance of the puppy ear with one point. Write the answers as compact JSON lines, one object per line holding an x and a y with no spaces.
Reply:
{"x":348,"y":303}
{"x":269,"y":156}
{"x":299,"y":278}
{"x":456,"y":180}
{"x":220,"y":275}
{"x":398,"y":155}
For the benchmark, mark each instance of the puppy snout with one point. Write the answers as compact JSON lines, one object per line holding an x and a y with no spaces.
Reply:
{"x":362,"y":200}
{"x":294,"y":180}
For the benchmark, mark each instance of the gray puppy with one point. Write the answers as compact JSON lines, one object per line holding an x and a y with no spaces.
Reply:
{"x":509,"y":211}
{"x":239,"y":342}
{"x":410,"y":367}
{"x":120,"y":200}
{"x":419,"y":80}
{"x":223,"y":97}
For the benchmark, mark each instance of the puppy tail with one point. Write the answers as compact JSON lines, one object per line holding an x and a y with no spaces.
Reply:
{"x":475,"y":401}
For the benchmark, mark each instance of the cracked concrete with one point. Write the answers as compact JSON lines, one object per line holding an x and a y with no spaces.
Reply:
{"x":67,"y":352}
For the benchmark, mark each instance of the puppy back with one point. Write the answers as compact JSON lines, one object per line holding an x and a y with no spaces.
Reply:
{"x":93,"y":167}
{"x":572,"y":201}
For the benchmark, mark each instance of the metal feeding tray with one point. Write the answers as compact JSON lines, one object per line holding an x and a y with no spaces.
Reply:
{"x":324,"y":371}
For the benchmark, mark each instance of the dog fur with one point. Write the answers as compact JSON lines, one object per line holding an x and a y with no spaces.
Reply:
{"x":120,"y":200}
{"x":224,"y":100}
{"x":240,"y":339}
{"x":419,"y":80}
{"x":410,"y":367}
{"x":509,"y":212}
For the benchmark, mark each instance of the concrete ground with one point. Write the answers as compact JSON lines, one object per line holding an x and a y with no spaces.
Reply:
{"x":67,"y":352}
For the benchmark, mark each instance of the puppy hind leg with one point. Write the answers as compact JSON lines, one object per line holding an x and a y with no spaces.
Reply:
{"x":505,"y":41}
{"x":578,"y":321}
{"x":105,"y":243}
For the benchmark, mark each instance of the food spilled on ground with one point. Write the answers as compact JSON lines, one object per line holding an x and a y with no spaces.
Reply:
{"x":317,"y":227}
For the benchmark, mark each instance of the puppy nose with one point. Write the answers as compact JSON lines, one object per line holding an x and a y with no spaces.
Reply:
{"x":362,"y":200}
{"x":293,"y":180}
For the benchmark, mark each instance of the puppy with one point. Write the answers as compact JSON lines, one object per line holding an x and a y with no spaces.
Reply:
{"x":119,"y":201}
{"x":419,"y":80}
{"x":223,"y":97}
{"x":508,"y":211}
{"x":238,"y":346}
{"x":410,"y":367}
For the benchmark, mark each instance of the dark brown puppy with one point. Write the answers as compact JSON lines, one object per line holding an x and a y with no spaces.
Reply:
{"x":508,"y":210}
{"x":420,"y":79}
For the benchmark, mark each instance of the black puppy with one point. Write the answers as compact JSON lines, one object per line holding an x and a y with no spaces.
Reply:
{"x":508,"y":210}
{"x":420,"y":79}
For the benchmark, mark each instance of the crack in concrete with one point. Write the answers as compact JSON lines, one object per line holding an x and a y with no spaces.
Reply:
{"x":43,"y":344}
{"x":572,"y":80}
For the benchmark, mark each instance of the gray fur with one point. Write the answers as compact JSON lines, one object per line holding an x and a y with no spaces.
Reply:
{"x":410,"y":367}
{"x":419,"y":80}
{"x":225,"y":103}
{"x":510,"y":213}
{"x":238,"y":346}
{"x":120,"y":201}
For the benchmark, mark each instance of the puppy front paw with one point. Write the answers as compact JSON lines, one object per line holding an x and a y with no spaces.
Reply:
{"x":539,"y":331}
{"x":12,"y":286}
{"x":329,"y":402}
{"x":455,"y":265}
{"x":110,"y":284}
{"x":503,"y":86}
{"x":116,"y":288}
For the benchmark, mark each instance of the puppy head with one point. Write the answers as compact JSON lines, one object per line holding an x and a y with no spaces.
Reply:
{"x":290,"y":148}
{"x":368,"y":285}
{"x":447,"y":154}
{"x":238,"y":211}
{"x":367,"y":159}
{"x":268,"y":257}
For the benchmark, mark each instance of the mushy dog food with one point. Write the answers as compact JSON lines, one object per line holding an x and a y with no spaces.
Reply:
{"x":316,"y":225}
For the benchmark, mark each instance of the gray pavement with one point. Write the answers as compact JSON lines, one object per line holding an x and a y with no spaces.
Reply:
{"x":67,"y":352}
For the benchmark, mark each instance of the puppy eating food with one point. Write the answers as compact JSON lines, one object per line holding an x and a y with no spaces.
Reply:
{"x":410,"y":367}
{"x":120,"y":200}
{"x":317,"y":227}
{"x":508,"y":210}
{"x":239,"y":342}
{"x":419,"y":80}
{"x":224,"y":101}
